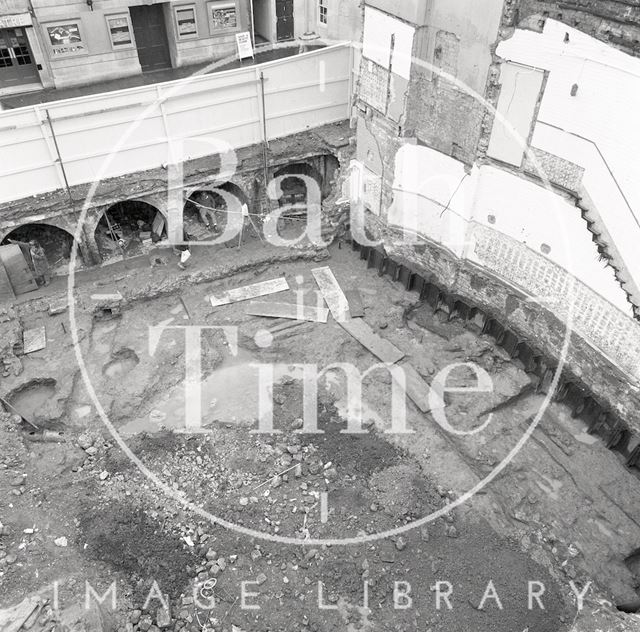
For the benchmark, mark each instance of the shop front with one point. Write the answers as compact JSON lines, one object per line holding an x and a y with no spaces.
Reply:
{"x":18,"y":66}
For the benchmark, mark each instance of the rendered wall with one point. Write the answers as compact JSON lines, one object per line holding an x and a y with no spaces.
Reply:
{"x":101,"y":62}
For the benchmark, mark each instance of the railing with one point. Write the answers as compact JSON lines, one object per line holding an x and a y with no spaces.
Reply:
{"x":86,"y":139}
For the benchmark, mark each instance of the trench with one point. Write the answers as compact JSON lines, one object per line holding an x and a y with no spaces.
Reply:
{"x":584,"y":404}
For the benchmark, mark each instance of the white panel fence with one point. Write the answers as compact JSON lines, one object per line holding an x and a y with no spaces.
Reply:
{"x":116,"y":133}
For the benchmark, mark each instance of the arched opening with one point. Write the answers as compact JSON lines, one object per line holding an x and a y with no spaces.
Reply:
{"x":207,"y":211}
{"x":295,"y":181}
{"x":129,"y":228}
{"x":294,"y":188}
{"x":56,"y":243}
{"x":322,"y":169}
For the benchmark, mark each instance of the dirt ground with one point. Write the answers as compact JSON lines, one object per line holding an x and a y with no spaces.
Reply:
{"x":77,"y":510}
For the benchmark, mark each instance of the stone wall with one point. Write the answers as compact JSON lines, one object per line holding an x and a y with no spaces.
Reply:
{"x":57,"y":209}
{"x":532,"y":322}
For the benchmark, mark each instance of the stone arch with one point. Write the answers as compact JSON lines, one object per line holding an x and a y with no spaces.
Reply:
{"x":56,"y":241}
{"x":203,"y":204}
{"x":294,"y":189}
{"x":126,"y":227}
{"x":323,"y":169}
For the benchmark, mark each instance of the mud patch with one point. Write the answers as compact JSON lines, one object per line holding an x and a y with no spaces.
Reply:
{"x":401,"y":490}
{"x":362,"y":454}
{"x":131,"y":542}
{"x":122,"y":362}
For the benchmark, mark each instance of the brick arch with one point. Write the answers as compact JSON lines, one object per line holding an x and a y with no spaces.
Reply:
{"x":55,"y":248}
{"x":233,"y":182}
{"x":62,"y":223}
{"x":203,"y":205}
{"x":97,"y":214}
{"x":322,"y":168}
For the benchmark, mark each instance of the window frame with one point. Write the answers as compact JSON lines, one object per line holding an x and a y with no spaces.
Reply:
{"x":184,"y":7}
{"x":127,"y":17}
{"x":323,"y":13}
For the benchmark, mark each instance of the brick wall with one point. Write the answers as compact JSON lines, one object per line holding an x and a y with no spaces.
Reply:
{"x":491,"y":291}
{"x":616,"y":22}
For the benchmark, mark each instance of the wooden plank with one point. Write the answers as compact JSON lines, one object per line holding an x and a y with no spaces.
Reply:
{"x":12,"y":619}
{"x":332,"y":292}
{"x":18,"y":270}
{"x":338,"y":305}
{"x":418,"y":390}
{"x":250,"y":291}
{"x":356,"y":308}
{"x":6,"y":291}
{"x":34,"y":339}
{"x":381,"y":348}
{"x":288,"y":310}
{"x":158,"y":224}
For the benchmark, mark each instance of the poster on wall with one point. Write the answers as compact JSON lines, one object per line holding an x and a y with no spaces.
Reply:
{"x":65,"y":39}
{"x":119,"y":31}
{"x":186,"y":19}
{"x":223,"y":16}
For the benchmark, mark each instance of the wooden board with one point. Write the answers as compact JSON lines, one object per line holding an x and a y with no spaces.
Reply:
{"x":58,"y":306}
{"x":356,"y":308}
{"x":18,"y":270}
{"x":11,"y":619}
{"x":250,"y":291}
{"x":6,"y":291}
{"x":381,"y":348}
{"x":34,"y":339}
{"x":418,"y":390}
{"x":158,"y":224}
{"x":288,"y":310}
{"x":332,"y":292}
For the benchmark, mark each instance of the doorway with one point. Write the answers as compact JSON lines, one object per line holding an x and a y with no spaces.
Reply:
{"x":151,"y":37}
{"x":17,"y":66}
{"x":263,"y":21}
{"x":284,"y":20}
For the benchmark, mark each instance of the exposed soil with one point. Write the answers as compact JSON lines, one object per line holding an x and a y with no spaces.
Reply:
{"x":562,"y":511}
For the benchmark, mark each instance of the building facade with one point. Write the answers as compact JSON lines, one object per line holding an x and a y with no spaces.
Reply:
{"x":47,"y":44}
{"x":52,"y":44}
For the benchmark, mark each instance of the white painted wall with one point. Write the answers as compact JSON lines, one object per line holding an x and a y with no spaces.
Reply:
{"x":98,"y":138}
{"x":434,"y":197}
{"x":519,"y":92}
{"x":379,"y":28}
{"x":597,"y":129}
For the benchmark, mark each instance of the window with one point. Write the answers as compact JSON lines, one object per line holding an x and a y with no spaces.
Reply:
{"x":186,"y":25}
{"x":65,"y":38}
{"x":223,"y":16}
{"x":120,"y":31}
{"x":323,"y":11}
{"x":5,"y":57}
{"x":22,"y":55}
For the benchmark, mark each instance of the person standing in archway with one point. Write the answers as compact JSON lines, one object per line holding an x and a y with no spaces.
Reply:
{"x":206,"y":211}
{"x":39,"y":262}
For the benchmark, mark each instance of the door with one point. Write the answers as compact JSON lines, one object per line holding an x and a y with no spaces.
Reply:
{"x":284,"y":20}
{"x":17,"y":268}
{"x":151,"y":37}
{"x":16,"y":61}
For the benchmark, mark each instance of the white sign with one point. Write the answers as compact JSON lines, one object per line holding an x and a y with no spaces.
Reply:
{"x":245,"y":48}
{"x":11,"y":21}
